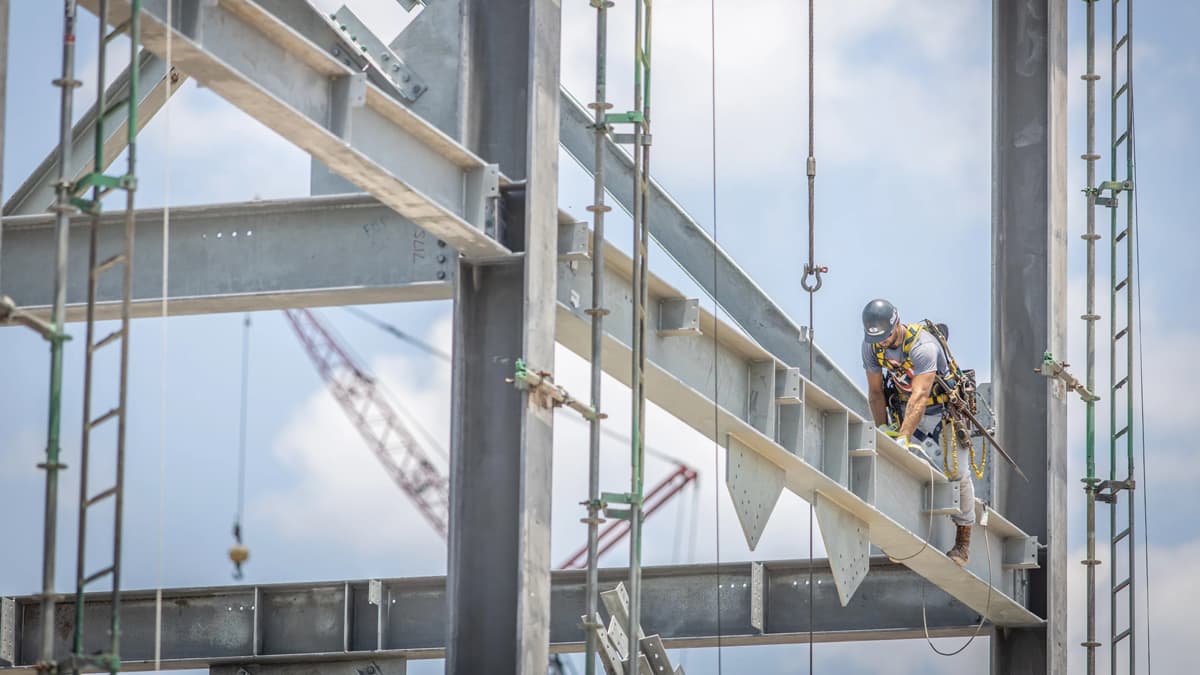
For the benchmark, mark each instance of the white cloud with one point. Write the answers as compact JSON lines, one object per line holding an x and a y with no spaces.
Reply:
{"x":340,"y":495}
{"x":216,"y":153}
{"x":874,"y":113}
{"x":1170,"y":632}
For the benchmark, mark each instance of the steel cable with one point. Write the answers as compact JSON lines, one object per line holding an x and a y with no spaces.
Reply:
{"x":1137,"y":252}
{"x":810,"y":269}
{"x":163,"y":311}
{"x":712,"y":7}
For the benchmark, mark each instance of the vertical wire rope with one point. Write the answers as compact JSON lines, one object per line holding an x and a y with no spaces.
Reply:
{"x":163,"y":346}
{"x":810,"y":268}
{"x":1137,"y":247}
{"x":712,"y":7}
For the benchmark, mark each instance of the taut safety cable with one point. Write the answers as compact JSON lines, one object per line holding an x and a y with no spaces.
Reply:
{"x":1141,"y":355}
{"x":162,"y":399}
{"x":712,"y":8}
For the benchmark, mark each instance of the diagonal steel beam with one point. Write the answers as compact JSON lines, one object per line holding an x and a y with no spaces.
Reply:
{"x":756,"y":312}
{"x":694,"y":249}
{"x":349,"y":249}
{"x":309,"y":96}
{"x":36,"y":194}
{"x":819,"y":447}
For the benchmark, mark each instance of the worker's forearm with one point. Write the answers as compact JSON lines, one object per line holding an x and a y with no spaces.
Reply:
{"x":878,"y":408}
{"x":913,"y":413}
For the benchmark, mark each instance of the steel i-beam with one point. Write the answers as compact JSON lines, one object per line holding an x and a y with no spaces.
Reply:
{"x":339,"y":621}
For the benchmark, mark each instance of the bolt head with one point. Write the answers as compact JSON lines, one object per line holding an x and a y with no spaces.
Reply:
{"x":441,"y":275}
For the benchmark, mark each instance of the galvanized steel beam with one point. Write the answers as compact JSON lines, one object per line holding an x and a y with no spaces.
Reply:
{"x":817,"y":447}
{"x":36,"y":194}
{"x":694,"y":249}
{"x":278,"y":75}
{"x":1029,"y":223}
{"x":347,"y":621}
{"x":248,"y":256}
{"x":781,"y":429}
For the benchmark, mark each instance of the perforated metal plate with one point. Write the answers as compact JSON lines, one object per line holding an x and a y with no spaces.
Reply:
{"x":847,"y":539}
{"x":754,"y":484}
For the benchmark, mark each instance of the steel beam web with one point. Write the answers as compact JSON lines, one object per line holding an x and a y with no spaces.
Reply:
{"x":345,"y":620}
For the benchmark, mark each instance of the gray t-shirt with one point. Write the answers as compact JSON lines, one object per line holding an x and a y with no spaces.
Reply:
{"x":926,"y":354}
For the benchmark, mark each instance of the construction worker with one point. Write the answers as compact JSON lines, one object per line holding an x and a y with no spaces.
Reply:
{"x":902,"y":363}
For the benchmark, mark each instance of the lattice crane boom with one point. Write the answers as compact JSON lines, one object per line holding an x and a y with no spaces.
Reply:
{"x":379,"y":424}
{"x":403,"y":457}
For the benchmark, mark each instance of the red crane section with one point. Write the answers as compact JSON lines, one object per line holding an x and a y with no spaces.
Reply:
{"x":615,"y":531}
{"x":403,"y":457}
{"x":380,"y":426}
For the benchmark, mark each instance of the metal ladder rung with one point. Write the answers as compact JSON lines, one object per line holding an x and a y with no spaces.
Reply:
{"x":110,"y":263}
{"x":1121,"y":90}
{"x":1124,"y":533}
{"x":1122,"y":432}
{"x":1122,"y":284}
{"x":104,"y":418}
{"x":1122,"y":635}
{"x":98,"y":575}
{"x":99,"y":497}
{"x":1122,"y":42}
{"x":1121,"y":235}
{"x":1121,"y":139}
{"x":1121,"y":383}
{"x":109,"y":339}
{"x":1121,"y":333}
{"x":1121,"y":586}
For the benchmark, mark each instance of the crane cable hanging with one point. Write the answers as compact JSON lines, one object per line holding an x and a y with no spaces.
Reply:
{"x":240,"y":553}
{"x":814,"y":272}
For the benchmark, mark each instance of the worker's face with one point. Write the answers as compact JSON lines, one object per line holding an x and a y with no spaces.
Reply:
{"x":895,"y":339}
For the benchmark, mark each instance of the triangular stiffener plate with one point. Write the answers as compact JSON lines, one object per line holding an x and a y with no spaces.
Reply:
{"x":848,"y":543}
{"x":754,"y":484}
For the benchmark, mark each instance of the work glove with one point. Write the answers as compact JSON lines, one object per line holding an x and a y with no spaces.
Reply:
{"x":890,"y":429}
{"x":910,"y":445}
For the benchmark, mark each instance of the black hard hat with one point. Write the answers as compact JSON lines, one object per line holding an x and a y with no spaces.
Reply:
{"x":879,"y":318}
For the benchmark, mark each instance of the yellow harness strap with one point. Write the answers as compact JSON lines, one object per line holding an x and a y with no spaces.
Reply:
{"x":903,"y":369}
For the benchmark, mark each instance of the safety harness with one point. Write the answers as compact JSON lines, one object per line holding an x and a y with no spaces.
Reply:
{"x":900,"y":373}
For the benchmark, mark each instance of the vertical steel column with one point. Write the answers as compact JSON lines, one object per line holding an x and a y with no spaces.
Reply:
{"x":1029,"y":220}
{"x":501,"y":440}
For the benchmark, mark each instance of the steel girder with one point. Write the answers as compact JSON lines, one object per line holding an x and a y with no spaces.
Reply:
{"x":406,"y":618}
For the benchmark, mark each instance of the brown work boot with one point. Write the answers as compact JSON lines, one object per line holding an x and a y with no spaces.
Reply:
{"x":962,"y":546}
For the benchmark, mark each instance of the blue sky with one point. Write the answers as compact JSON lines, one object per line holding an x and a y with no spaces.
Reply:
{"x":903,"y":143}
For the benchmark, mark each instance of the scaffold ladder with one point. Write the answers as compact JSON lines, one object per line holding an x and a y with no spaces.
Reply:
{"x":97,"y":426}
{"x":1123,"y":586}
